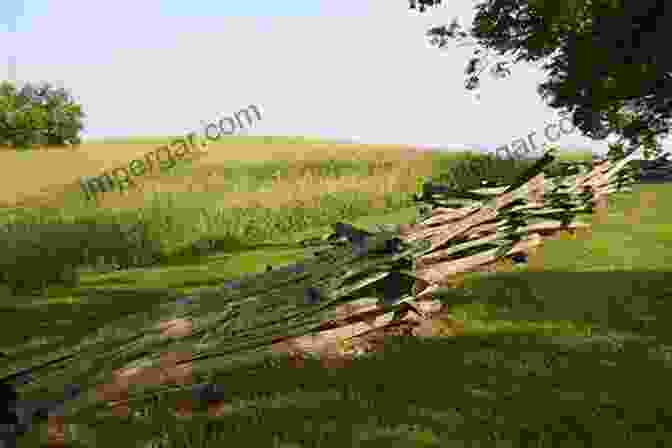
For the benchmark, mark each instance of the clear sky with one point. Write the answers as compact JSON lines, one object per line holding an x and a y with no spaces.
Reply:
{"x":358,"y":70}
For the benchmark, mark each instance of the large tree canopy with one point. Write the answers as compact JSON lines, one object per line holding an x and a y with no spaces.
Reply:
{"x":607,"y":60}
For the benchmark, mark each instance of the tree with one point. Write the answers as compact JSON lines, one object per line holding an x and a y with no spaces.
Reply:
{"x":608,"y":66}
{"x":38,"y":115}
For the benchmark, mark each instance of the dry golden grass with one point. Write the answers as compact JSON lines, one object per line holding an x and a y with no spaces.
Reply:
{"x":308,"y":188}
{"x":32,"y":173}
{"x":55,"y":173}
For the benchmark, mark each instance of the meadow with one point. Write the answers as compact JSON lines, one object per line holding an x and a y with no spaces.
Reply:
{"x":575,"y":354}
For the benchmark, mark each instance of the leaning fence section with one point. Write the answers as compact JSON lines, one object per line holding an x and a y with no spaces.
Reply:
{"x":466,"y":231}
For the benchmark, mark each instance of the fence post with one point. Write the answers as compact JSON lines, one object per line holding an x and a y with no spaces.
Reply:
{"x":535,"y":258}
{"x":600,"y":202}
{"x":536,"y":189}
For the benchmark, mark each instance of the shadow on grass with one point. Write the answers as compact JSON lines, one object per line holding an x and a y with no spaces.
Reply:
{"x":631,"y":303}
{"x":634,"y":302}
{"x":193,"y":253}
{"x":539,"y":348}
{"x":108,"y":282}
{"x":505,"y":389}
{"x":46,"y":326}
{"x":536,"y":381}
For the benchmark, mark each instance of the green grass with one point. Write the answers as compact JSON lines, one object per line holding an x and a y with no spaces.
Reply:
{"x":577,"y":355}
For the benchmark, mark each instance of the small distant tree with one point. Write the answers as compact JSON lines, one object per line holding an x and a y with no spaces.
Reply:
{"x":38,"y":116}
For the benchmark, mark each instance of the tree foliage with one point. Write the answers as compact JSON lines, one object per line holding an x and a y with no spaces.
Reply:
{"x":38,"y":115}
{"x":607,"y":60}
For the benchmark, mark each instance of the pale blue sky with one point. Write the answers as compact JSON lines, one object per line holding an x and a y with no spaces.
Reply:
{"x":338,"y":69}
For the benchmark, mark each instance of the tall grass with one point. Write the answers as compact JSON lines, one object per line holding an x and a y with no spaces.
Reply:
{"x":216,"y":207}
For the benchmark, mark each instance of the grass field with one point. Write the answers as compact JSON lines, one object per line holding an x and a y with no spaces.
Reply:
{"x":574,"y":355}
